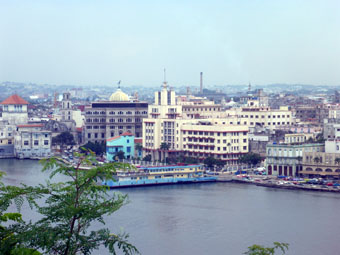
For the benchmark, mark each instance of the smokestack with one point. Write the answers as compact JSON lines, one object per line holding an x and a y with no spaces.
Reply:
{"x":201,"y":84}
{"x":188,"y":91}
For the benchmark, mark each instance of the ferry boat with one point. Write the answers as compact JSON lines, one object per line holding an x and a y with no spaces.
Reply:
{"x":159,"y":175}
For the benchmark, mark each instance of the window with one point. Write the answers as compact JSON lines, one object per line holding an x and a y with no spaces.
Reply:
{"x":45,"y":142}
{"x":36,"y":142}
{"x":128,"y":149}
{"x":25,"y":142}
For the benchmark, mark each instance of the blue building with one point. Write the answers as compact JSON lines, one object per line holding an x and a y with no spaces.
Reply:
{"x":125,"y":142}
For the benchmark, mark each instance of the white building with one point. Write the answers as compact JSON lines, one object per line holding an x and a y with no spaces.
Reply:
{"x":14,"y":110}
{"x":254,"y":114}
{"x":191,"y":127}
{"x":32,"y":142}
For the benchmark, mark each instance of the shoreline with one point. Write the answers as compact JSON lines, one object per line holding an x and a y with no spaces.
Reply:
{"x":285,"y":186}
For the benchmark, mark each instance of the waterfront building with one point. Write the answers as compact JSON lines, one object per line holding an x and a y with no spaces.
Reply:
{"x":192,"y":127}
{"x":106,"y":119}
{"x":286,"y":159}
{"x":7,"y":141}
{"x":14,"y":110}
{"x":322,"y":164}
{"x":31,"y":141}
{"x":124,"y":143}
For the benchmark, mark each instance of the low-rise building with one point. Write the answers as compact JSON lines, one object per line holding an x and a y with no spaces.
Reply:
{"x":124,"y":143}
{"x":286,"y":159}
{"x":31,"y":141}
{"x":299,"y":138}
{"x":320,"y":165}
{"x":14,"y":110}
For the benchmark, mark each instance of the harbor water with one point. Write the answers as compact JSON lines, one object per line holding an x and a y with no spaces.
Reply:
{"x":213,"y":218}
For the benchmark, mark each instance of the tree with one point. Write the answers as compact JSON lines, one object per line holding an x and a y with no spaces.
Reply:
{"x":209,"y":161}
{"x":261,"y":250}
{"x":69,"y":208}
{"x":10,"y":242}
{"x":120,"y":154}
{"x":147,"y":158}
{"x":250,"y":158}
{"x":98,"y":148}
{"x":320,"y":138}
{"x":139,"y":148}
{"x":64,"y":138}
{"x":164,"y":147}
{"x":337,"y":161}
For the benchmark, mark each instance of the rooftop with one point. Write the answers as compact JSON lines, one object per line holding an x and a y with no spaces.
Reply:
{"x":14,"y":99}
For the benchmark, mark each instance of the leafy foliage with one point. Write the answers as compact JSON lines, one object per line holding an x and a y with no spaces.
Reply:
{"x":261,"y":250}
{"x":211,"y":161}
{"x":120,"y":154}
{"x":65,"y":138}
{"x":147,"y":158}
{"x":98,"y":148}
{"x":10,"y":238}
{"x":67,"y":211}
{"x":251,"y":158}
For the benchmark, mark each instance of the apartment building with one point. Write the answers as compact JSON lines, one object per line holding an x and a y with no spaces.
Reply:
{"x":188,"y":128}
{"x":255,"y":114}
{"x":106,"y":119}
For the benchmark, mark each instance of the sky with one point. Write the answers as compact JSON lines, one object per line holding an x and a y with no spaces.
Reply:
{"x":231,"y":42}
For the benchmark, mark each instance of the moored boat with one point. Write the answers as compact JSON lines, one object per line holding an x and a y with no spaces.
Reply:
{"x":159,"y":175}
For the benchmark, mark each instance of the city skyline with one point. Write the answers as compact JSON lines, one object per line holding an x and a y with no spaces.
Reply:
{"x":84,"y":43}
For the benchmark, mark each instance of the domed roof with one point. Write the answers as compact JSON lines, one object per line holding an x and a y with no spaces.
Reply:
{"x":119,"y":95}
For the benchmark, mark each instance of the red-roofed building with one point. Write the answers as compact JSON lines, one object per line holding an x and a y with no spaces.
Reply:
{"x":15,"y":110}
{"x":15,"y":100}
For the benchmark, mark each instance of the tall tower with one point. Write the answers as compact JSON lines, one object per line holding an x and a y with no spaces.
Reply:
{"x":201,"y":83}
{"x":66,"y":107}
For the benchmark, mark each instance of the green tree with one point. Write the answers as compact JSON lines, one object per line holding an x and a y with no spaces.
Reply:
{"x":120,"y":154}
{"x":139,"y":148}
{"x":209,"y":161}
{"x":261,"y":250}
{"x":147,"y":158}
{"x":320,"y":138}
{"x":64,"y":138}
{"x":250,"y":158}
{"x":337,"y":160}
{"x":164,"y":147}
{"x":69,"y":208}
{"x":98,"y":148}
{"x":10,"y":241}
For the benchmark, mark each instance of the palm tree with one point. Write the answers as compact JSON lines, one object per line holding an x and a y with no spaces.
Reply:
{"x":164,"y":147}
{"x":139,"y":148}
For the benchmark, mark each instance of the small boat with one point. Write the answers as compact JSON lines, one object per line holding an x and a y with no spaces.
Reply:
{"x":159,"y":175}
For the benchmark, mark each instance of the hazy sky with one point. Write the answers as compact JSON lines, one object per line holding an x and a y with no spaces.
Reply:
{"x":232,"y":42}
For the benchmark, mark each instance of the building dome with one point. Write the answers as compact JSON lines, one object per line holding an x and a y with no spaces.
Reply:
{"x":119,"y":95}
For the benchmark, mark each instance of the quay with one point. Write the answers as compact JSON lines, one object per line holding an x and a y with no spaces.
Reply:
{"x":271,"y":182}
